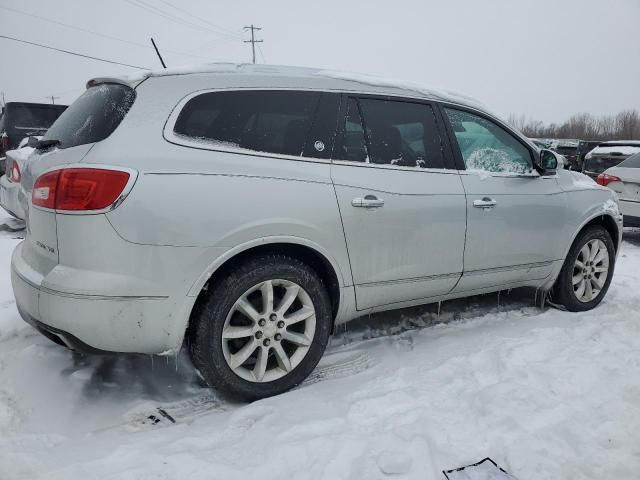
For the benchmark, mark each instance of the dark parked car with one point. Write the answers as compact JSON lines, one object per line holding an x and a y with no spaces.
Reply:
{"x":569,"y":150}
{"x":584,"y":147}
{"x":20,"y":119}
{"x":607,"y":155}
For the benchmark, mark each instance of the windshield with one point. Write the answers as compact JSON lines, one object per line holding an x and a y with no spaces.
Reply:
{"x":93,"y":116}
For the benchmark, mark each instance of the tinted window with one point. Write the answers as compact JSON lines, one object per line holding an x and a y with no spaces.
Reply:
{"x":486,"y":146}
{"x":397,"y":133}
{"x":632,"y":162}
{"x":266,"y":121}
{"x":33,"y":116}
{"x":93,"y":116}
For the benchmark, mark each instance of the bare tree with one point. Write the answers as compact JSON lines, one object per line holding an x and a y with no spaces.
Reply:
{"x":623,"y":126}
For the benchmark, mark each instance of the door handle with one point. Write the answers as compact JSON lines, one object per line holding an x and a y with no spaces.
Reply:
{"x":369,"y":201}
{"x":485,"y":203}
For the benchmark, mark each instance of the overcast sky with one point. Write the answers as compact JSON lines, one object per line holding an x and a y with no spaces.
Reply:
{"x":546,"y":59}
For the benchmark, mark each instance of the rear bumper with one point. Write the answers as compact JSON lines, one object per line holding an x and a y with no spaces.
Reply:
{"x":631,"y":221}
{"x":631,"y":212}
{"x":91,"y":322}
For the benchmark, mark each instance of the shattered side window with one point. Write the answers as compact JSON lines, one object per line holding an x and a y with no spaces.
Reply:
{"x":486,"y":146}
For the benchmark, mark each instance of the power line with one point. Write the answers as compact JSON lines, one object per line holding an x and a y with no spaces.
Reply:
{"x":73,"y":53}
{"x":264,"y":60}
{"x":185,"y":12}
{"x":103,"y":35}
{"x":253,"y":40}
{"x":157,"y":11}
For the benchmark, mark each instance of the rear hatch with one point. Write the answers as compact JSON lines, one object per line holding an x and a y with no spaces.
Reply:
{"x":90,"y":119}
{"x":629,"y":173}
{"x":608,"y":155}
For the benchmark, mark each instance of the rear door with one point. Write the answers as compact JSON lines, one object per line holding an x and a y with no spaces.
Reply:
{"x":514,"y":216}
{"x":402,"y":206}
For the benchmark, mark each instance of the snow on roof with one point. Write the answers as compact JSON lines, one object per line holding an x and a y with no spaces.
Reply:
{"x":290,"y":71}
{"x":621,"y":149}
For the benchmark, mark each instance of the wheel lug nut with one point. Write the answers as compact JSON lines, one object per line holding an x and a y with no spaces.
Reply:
{"x":262,"y":322}
{"x":280,"y":324}
{"x":258,"y":335}
{"x":273,"y":317}
{"x":266,"y":342}
{"x":278,"y":337}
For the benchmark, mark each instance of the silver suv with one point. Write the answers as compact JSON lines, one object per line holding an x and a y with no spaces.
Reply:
{"x":244,"y":211}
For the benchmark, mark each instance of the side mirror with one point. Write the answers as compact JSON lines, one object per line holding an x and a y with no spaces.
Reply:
{"x":548,"y":163}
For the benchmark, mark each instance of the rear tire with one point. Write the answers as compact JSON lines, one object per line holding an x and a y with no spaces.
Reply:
{"x":587,"y":271}
{"x":262,"y":328}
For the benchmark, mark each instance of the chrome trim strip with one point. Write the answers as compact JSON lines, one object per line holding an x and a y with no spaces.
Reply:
{"x":410,"y":280}
{"x":509,"y":268}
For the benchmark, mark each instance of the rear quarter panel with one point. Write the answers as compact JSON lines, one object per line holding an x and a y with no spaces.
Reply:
{"x":198,"y":197}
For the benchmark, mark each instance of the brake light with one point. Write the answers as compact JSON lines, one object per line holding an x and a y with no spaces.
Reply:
{"x":4,"y":141}
{"x":605,"y":179}
{"x":79,"y":189}
{"x":14,"y":173}
{"x":44,"y":190}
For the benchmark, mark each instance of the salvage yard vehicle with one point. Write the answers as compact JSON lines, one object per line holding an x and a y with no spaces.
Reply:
{"x":10,"y":182}
{"x":22,"y":119}
{"x":244,"y":211}
{"x":624,"y":179}
{"x":607,"y":155}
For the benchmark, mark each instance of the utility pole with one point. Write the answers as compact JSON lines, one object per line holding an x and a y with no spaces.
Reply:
{"x":253,"y":40}
{"x":53,"y":99}
{"x":3,"y":100}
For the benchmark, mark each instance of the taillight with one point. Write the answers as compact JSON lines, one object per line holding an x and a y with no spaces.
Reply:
{"x":44,"y":190}
{"x":79,"y":189}
{"x":605,"y":179}
{"x":4,"y":141}
{"x":14,"y":173}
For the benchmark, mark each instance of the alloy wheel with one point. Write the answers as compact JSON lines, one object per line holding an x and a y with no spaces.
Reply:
{"x":590,"y":270}
{"x":268,"y":330}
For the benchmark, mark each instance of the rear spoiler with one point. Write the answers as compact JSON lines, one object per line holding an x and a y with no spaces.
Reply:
{"x":131,"y":81}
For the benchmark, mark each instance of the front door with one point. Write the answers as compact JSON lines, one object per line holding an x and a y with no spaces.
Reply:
{"x":402,"y":207}
{"x":515,"y":217}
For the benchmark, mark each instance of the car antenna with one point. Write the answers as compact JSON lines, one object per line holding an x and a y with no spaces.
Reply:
{"x":158,"y":52}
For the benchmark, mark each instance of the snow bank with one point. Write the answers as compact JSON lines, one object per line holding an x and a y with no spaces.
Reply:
{"x":547,"y":394}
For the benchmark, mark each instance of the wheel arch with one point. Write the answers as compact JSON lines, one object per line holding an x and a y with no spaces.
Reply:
{"x":605,"y":220}
{"x":307,"y":252}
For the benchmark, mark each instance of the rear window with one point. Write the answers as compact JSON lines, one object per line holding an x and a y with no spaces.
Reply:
{"x":600,"y":164}
{"x":631,"y":162}
{"x":33,"y":117}
{"x":93,"y":116}
{"x":266,"y":121}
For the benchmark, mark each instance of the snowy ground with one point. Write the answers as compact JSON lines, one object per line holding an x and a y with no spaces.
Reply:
{"x":545,"y":393}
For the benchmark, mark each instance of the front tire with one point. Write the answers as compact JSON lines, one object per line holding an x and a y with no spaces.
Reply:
{"x":587,"y":271}
{"x":262,"y":328}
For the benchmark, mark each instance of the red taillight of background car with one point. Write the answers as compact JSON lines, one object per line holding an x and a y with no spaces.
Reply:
{"x":78,"y":189}
{"x":605,"y":179}
{"x":14,"y":173}
{"x":4,"y":141}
